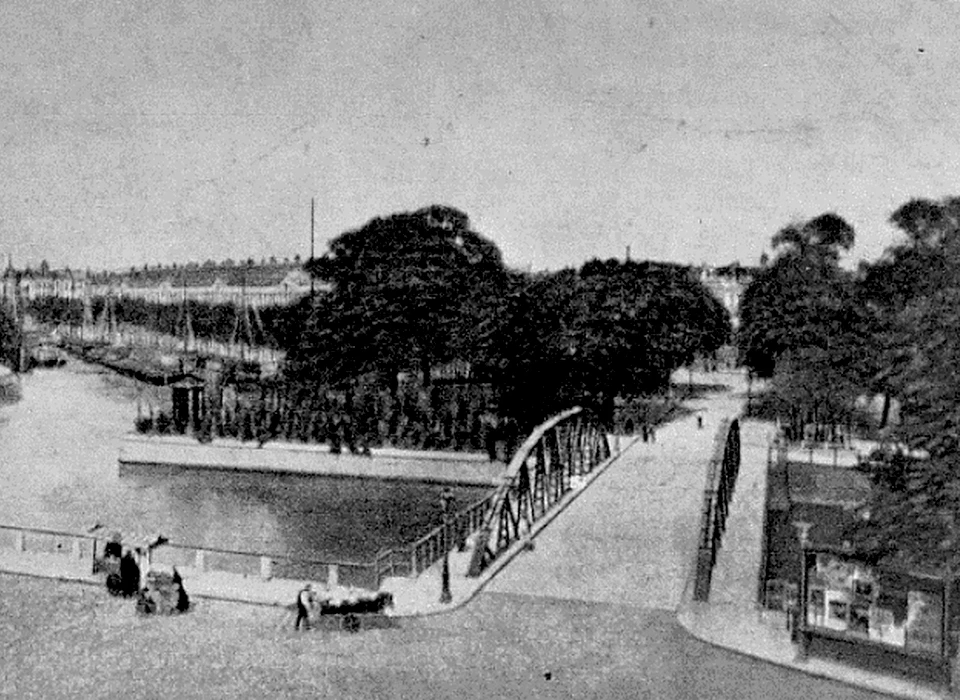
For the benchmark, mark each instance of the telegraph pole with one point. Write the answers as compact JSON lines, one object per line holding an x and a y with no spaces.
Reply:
{"x":311,"y":242}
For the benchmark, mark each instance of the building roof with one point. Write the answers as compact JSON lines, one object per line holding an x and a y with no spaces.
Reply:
{"x":272,"y":274}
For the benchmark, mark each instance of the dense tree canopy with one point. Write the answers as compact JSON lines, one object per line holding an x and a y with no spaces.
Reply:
{"x":801,"y":301}
{"x":414,"y":290}
{"x":915,"y":508}
{"x":815,"y":331}
{"x":827,"y":337}
{"x":409,"y":291}
{"x":610,"y":329}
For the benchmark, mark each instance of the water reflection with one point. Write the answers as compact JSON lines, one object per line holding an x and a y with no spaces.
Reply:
{"x":58,"y":467}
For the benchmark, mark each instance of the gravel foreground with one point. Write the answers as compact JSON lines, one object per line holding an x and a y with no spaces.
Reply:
{"x":65,"y":640}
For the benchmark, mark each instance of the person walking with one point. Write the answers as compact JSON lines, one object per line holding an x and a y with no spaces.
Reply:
{"x":304,"y":604}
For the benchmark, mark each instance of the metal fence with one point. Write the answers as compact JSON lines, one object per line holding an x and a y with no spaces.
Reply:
{"x":409,"y":560}
{"x":77,"y":546}
{"x":426,"y":551}
{"x":721,"y":479}
{"x":201,"y":559}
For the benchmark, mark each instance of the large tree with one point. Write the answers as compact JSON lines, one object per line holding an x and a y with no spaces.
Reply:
{"x":409,"y":291}
{"x":802,"y":299}
{"x":894,"y":288}
{"x":914,"y":513}
{"x":805,"y":325}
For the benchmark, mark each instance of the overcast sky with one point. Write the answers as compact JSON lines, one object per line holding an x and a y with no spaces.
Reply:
{"x":153,"y":131}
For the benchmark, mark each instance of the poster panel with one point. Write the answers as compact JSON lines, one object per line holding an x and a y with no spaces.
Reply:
{"x":852,"y":599}
{"x":924,"y":622}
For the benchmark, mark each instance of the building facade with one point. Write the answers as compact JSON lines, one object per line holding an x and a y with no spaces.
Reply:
{"x":728,"y":284}
{"x":255,"y":285}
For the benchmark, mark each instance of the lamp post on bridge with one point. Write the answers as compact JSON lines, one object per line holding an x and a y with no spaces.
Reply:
{"x":446,"y":504}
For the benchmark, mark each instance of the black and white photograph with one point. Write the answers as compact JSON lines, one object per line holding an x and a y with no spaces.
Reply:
{"x":518,"y":349}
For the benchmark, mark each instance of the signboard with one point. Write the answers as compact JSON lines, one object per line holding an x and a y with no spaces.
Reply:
{"x":847,"y":598}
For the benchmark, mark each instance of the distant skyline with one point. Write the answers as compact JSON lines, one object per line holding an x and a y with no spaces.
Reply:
{"x":143,"y":132}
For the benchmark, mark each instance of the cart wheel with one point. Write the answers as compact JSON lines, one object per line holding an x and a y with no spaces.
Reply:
{"x":114,"y":584}
{"x":351,"y":623}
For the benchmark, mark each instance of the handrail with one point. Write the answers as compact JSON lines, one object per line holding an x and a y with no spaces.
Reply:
{"x":44,"y":531}
{"x":416,"y":557}
{"x":427,"y":550}
{"x":214,"y":551}
{"x":722,"y":472}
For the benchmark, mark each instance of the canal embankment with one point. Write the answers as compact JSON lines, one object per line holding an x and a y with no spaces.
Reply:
{"x":385,"y":464}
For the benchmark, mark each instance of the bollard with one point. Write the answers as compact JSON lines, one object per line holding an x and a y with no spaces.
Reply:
{"x":266,"y":568}
{"x":333,"y":575}
{"x":201,"y":561}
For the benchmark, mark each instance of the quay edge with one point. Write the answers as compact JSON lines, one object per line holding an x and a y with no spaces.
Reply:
{"x":467,"y":469}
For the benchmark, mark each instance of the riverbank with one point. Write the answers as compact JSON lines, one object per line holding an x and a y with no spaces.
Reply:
{"x":385,"y":464}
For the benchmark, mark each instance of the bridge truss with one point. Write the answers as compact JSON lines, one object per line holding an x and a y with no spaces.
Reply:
{"x":556,"y":458}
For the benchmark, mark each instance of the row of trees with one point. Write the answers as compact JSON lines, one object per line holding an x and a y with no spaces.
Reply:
{"x":414,"y":291}
{"x":829,"y":337}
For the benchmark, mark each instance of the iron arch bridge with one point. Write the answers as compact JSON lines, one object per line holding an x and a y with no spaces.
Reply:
{"x":556,"y":458}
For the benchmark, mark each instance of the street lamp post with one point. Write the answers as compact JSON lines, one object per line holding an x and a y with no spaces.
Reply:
{"x":446,"y":501}
{"x":798,"y":614}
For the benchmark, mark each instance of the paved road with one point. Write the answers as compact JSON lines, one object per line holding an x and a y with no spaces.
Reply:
{"x":71,"y":641}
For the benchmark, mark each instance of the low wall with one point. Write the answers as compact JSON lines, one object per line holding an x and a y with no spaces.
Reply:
{"x":385,"y":464}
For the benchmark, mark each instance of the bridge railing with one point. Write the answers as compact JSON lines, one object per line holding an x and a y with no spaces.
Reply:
{"x":83,"y":550}
{"x":554,"y":459}
{"x":78,"y":547}
{"x":267,"y":566}
{"x":419,"y":556}
{"x":722,"y":474}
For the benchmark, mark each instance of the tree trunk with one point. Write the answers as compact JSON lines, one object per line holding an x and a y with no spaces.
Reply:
{"x":393,"y":405}
{"x":425,"y":367}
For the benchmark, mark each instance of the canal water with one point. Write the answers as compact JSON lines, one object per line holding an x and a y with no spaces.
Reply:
{"x":58,"y":469}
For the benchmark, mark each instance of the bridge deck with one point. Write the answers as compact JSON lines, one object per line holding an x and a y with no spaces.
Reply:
{"x":631,"y":537}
